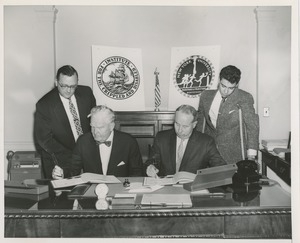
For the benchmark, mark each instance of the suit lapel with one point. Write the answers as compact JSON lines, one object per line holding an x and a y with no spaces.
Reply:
{"x":62,"y":117}
{"x":207,"y":105}
{"x":173,"y":150}
{"x":80,"y":101}
{"x":230,"y":103}
{"x":188,"y":151}
{"x":93,"y":159}
{"x":113,"y":159}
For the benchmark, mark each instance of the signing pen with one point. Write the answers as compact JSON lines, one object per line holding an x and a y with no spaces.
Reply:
{"x":54,"y":159}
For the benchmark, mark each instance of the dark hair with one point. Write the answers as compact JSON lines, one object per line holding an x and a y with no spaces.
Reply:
{"x":188,"y":109}
{"x":230,"y":73}
{"x":67,"y":70}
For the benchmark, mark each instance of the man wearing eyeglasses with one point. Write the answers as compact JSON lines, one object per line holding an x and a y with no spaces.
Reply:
{"x":60,"y":118}
{"x":222,"y":111}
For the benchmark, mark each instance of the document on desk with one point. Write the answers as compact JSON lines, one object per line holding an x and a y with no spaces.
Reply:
{"x":84,"y":178}
{"x":167,"y":200}
{"x":180,"y":177}
{"x":138,"y":187}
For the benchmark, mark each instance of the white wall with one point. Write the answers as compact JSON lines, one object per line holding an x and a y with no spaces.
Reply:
{"x":28,"y":70}
{"x":274,"y":76}
{"x":156,"y":30}
{"x":31,"y":57}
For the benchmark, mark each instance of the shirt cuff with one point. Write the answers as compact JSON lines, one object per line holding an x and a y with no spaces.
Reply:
{"x":252,"y":152}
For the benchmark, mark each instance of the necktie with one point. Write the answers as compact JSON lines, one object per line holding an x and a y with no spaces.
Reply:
{"x":179,"y":155}
{"x":107,"y":143}
{"x":222,"y":105}
{"x":75,"y":118}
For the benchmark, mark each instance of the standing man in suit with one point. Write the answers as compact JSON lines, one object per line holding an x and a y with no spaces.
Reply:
{"x":219,"y":116}
{"x":182,"y":148}
{"x":105,"y":150}
{"x":60,"y":118}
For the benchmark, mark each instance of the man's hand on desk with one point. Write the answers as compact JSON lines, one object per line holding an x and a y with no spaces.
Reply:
{"x":152,"y":171}
{"x":57,"y":173}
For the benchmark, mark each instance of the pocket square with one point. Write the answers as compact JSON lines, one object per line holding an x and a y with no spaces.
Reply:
{"x":231,"y":111}
{"x":121,"y":163}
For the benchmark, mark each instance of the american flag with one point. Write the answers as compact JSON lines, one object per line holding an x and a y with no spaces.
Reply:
{"x":157,"y":90}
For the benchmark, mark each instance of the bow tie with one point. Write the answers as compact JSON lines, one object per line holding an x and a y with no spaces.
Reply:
{"x":107,"y":143}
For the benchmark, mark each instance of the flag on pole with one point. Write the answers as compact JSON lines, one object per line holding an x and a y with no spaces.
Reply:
{"x":157,"y":91}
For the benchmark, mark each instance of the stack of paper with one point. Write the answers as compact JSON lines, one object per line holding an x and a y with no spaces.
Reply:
{"x":84,"y":178}
{"x":23,"y":188}
{"x":271,"y":144}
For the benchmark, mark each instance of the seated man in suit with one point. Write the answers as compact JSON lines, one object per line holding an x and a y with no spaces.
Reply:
{"x":182,"y":148}
{"x":105,"y":150}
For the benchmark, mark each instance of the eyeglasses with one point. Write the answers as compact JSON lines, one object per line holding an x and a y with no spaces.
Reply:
{"x":64,"y":86}
{"x":225,"y":87}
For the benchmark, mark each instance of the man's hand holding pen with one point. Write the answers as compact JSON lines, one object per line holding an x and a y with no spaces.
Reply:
{"x":152,"y":171}
{"x":57,"y":173}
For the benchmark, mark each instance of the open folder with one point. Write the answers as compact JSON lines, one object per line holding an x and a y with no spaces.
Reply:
{"x":180,"y":177}
{"x":84,"y":178}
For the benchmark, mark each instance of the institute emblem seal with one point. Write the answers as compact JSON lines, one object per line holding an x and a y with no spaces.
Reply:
{"x":193,"y":75}
{"x":117,"y":77}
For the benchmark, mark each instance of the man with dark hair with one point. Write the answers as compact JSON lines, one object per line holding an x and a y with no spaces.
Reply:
{"x":182,"y":148}
{"x":222,"y":111}
{"x":60,"y":118}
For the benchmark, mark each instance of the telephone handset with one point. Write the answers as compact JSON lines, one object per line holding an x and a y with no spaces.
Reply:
{"x":247,"y":172}
{"x":247,"y":167}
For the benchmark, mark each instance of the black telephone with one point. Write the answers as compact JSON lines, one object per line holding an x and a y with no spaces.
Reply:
{"x":247,"y":172}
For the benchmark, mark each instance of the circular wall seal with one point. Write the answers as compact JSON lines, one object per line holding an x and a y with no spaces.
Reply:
{"x":193,"y":75}
{"x":117,"y":77}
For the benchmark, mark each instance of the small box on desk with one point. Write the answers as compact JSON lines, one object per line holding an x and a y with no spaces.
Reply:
{"x":271,"y":144}
{"x":31,"y":189}
{"x":22,"y":187}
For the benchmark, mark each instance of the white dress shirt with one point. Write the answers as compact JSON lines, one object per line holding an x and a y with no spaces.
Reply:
{"x":214,"y":109}
{"x":105,"y":152}
{"x":69,"y":114}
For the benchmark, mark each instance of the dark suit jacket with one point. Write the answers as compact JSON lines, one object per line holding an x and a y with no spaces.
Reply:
{"x":227,"y":133}
{"x":86,"y":156}
{"x":200,"y":153}
{"x":52,"y":129}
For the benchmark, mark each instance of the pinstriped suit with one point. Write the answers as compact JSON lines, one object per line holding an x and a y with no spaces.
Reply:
{"x":227,"y":131}
{"x":52,"y":129}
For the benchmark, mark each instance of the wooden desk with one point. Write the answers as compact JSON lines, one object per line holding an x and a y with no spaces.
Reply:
{"x":262,"y":214}
{"x":281,"y":167}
